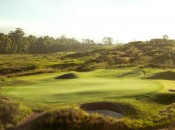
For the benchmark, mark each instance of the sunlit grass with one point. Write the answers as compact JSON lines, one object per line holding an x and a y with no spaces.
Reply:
{"x":98,"y":85}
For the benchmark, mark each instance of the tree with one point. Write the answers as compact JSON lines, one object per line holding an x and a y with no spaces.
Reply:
{"x":32,"y":43}
{"x":5,"y":44}
{"x":107,"y":40}
{"x":16,"y":42}
{"x":17,"y":39}
{"x":88,"y":42}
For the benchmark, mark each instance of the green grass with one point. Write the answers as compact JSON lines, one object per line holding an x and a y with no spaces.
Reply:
{"x":90,"y":86}
{"x":148,"y":100}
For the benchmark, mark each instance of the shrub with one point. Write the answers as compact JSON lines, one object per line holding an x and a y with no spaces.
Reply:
{"x":11,"y":112}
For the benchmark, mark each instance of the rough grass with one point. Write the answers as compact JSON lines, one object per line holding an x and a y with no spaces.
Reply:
{"x":76,"y":119}
{"x":14,"y":65}
{"x":7,"y":83}
{"x":11,"y":113}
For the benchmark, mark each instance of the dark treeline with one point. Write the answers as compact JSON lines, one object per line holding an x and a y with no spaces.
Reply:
{"x":17,"y":42}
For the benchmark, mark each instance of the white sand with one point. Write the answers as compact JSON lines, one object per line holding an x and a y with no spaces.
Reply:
{"x":107,"y":113}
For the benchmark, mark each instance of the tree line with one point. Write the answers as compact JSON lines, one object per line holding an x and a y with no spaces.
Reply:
{"x":16,"y":42}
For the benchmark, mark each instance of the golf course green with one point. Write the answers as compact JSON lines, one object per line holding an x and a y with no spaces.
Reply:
{"x":98,"y":85}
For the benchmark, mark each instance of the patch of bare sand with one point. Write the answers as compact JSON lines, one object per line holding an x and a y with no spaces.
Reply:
{"x":107,"y":113}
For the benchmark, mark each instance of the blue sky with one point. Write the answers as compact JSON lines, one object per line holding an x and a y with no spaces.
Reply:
{"x":123,"y":20}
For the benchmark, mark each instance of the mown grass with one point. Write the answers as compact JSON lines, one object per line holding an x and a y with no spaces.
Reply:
{"x":90,"y":86}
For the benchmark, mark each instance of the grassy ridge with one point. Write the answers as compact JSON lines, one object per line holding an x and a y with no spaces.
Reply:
{"x":157,"y":53}
{"x":76,"y":119}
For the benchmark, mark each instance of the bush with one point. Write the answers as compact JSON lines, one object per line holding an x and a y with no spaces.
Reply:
{"x":11,"y":112}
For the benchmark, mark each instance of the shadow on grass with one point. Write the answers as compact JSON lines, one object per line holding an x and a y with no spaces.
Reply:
{"x":164,"y":98}
{"x":136,"y":96}
{"x":105,"y":95}
{"x":134,"y":73}
{"x":169,"y":75}
{"x":80,"y":94}
{"x":161,"y":98}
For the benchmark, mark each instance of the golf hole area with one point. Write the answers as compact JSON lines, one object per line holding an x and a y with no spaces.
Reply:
{"x":103,"y":108}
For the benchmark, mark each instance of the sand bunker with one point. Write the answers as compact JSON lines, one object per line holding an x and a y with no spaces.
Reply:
{"x":67,"y":76}
{"x":168,"y":75}
{"x":171,"y":90}
{"x":107,"y":113}
{"x":103,"y":108}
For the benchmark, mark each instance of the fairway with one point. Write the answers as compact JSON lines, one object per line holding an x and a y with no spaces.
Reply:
{"x":99,"y":85}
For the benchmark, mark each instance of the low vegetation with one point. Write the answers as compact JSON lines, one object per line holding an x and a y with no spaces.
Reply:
{"x":75,"y":119}
{"x":11,"y":113}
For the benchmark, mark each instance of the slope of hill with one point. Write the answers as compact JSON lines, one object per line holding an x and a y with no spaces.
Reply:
{"x":156,"y":53}
{"x":159,"y":53}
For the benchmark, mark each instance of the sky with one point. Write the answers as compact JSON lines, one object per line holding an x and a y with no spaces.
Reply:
{"x":123,"y":20}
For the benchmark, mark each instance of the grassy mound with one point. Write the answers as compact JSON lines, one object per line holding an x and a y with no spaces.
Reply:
{"x":76,"y":119}
{"x":166,"y":116}
{"x":11,"y":113}
{"x":169,"y":75}
{"x":67,"y":76}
